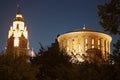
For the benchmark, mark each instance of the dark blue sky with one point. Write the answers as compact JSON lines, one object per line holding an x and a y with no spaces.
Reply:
{"x":48,"y":18}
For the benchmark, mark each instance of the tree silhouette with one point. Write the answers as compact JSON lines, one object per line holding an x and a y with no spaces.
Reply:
{"x":109,"y":15}
{"x":16,"y":68}
{"x":53,"y":63}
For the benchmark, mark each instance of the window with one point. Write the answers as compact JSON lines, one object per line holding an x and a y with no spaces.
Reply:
{"x":68,"y":45}
{"x":16,"y":42}
{"x":93,"y":41}
{"x":79,"y":47}
{"x":86,"y":41}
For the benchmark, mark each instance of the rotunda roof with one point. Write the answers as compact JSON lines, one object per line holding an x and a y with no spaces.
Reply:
{"x":84,"y":29}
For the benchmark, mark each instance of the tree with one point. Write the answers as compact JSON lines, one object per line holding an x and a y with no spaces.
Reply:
{"x":115,"y":56}
{"x":16,"y":68}
{"x":109,"y":15}
{"x":53,"y":63}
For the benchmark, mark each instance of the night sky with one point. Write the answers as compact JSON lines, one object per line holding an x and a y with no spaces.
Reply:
{"x":48,"y":18}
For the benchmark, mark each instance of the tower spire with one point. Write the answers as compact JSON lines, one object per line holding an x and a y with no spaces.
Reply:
{"x":19,"y":16}
{"x":18,"y":8}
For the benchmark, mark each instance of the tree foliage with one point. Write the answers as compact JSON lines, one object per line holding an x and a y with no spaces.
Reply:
{"x":52,"y":62}
{"x":55,"y":65}
{"x":109,"y":15}
{"x":16,"y":68}
{"x":115,"y":56}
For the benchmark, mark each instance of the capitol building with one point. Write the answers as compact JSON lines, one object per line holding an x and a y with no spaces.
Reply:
{"x":84,"y":42}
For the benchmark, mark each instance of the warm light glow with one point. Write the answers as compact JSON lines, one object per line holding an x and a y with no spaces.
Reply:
{"x":79,"y":43}
{"x":86,"y":44}
{"x":17,"y":30}
{"x":18,"y":23}
{"x":25,"y":33}
{"x":79,"y":49}
{"x":86,"y":41}
{"x":11,"y":28}
{"x":16,"y":33}
{"x":16,"y":42}
{"x":93,"y":41}
{"x":19,"y":15}
{"x":10,"y":32}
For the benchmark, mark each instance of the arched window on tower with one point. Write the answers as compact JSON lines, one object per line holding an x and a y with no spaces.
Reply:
{"x":16,"y":42}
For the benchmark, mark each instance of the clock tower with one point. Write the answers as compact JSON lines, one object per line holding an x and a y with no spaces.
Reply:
{"x":17,"y":42}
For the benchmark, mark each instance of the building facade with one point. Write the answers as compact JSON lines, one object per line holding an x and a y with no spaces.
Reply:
{"x":17,"y":42}
{"x":83,"y":42}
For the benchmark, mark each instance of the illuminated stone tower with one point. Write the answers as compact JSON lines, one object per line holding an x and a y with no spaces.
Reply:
{"x":17,"y":43}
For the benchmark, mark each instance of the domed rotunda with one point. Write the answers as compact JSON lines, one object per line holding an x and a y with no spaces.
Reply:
{"x":82,"y":41}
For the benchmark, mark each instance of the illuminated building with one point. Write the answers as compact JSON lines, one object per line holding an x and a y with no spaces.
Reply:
{"x":83,"y":42}
{"x":17,"y":43}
